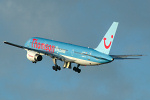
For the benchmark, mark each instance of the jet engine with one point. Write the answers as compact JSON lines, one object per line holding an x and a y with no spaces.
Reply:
{"x":33,"y":56}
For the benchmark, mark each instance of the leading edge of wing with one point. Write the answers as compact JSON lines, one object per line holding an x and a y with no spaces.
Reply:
{"x":125,"y":56}
{"x":26,"y":48}
{"x":51,"y":54}
{"x":13,"y":44}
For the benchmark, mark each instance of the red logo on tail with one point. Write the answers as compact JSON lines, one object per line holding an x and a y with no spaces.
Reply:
{"x":109,"y":43}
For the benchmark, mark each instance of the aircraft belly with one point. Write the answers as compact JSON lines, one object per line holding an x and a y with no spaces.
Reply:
{"x":81,"y":61}
{"x":84,"y":62}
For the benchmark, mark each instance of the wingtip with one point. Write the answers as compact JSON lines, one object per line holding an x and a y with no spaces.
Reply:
{"x":4,"y":41}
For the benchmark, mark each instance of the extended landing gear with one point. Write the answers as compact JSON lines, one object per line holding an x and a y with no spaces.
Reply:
{"x":76,"y":69}
{"x":56,"y":67}
{"x":66,"y":65}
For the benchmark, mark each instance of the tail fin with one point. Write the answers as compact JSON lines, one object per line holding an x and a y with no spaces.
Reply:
{"x":106,"y":43}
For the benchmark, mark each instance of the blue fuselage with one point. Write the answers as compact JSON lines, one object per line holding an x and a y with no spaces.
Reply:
{"x":78,"y":54}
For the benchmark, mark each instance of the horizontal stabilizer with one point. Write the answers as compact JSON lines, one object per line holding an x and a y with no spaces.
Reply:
{"x":125,"y":56}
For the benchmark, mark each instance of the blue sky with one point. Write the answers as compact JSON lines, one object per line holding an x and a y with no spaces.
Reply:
{"x":80,"y":22}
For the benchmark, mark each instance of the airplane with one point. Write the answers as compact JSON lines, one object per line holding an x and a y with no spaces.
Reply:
{"x":36,"y":47}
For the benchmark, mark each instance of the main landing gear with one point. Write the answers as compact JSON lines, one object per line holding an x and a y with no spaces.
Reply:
{"x":76,"y":69}
{"x":66,"y":65}
{"x":56,"y":67}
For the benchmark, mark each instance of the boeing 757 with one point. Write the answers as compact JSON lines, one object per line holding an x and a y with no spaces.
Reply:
{"x":36,"y":47}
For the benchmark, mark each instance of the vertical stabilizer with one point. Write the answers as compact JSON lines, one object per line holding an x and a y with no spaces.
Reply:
{"x":106,"y":43}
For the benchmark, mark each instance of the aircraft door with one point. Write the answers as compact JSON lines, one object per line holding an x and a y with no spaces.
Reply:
{"x":90,"y":53}
{"x":72,"y":52}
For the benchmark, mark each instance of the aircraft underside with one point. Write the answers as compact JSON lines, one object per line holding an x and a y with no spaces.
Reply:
{"x":67,"y":64}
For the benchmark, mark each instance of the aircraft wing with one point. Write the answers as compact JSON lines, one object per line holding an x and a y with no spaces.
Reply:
{"x":125,"y":56}
{"x":52,"y":55}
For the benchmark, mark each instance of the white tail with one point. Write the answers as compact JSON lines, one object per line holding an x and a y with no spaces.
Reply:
{"x":106,"y":43}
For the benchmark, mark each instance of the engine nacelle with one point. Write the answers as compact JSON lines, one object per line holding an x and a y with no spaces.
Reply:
{"x":33,"y":56}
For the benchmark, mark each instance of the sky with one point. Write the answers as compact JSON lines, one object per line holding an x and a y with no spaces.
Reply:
{"x":80,"y":22}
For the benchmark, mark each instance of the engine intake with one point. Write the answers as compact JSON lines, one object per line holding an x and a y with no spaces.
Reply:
{"x":38,"y":57}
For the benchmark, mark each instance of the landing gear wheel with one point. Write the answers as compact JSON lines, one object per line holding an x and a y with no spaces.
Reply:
{"x":59,"y":68}
{"x":79,"y":70}
{"x":56,"y":68}
{"x":76,"y":69}
{"x":53,"y":67}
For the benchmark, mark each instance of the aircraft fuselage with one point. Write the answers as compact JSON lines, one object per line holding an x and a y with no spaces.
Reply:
{"x":78,"y":54}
